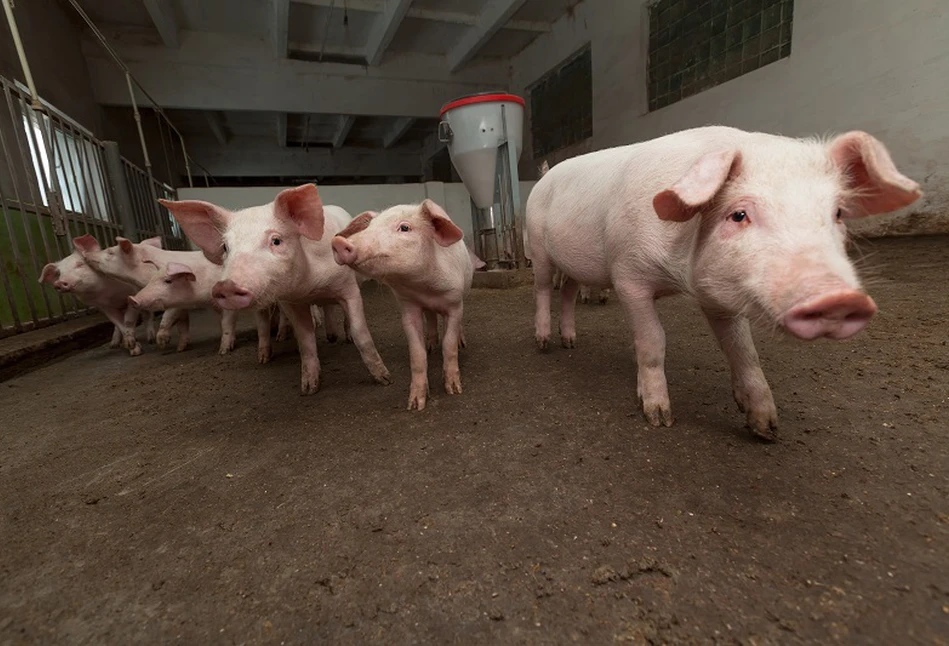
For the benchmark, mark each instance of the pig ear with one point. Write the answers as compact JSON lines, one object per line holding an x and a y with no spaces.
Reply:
{"x":124,"y":244}
{"x":447,"y":232}
{"x":203,"y":223}
{"x":85,"y":244}
{"x":698,"y":186}
{"x":358,"y":223}
{"x":49,"y":274}
{"x":152,"y":242}
{"x":302,"y":206}
{"x":871,"y":174}
{"x":178,"y":270}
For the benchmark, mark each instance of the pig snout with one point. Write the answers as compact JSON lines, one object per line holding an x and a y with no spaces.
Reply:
{"x":230,"y":296}
{"x":61,"y":285}
{"x":343,"y":251}
{"x":839,"y":315}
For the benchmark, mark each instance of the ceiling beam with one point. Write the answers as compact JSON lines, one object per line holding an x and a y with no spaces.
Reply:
{"x":219,"y":72}
{"x":163,"y":17}
{"x":346,"y":122}
{"x":258,"y":157}
{"x":282,"y":129}
{"x":383,"y":31}
{"x":218,"y":126}
{"x":492,"y":18}
{"x":435,"y":15}
{"x":280,"y":14}
{"x":396,"y":131}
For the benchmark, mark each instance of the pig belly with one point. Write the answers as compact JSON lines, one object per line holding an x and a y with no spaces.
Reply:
{"x":577,"y":250}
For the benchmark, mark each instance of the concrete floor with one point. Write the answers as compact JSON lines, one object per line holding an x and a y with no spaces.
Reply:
{"x":200,"y":498}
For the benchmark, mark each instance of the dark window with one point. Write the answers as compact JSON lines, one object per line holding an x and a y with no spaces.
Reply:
{"x":698,"y":44}
{"x":562,"y":105}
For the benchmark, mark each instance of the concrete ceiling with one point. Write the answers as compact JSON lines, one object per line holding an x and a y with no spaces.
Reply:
{"x":260,"y":80}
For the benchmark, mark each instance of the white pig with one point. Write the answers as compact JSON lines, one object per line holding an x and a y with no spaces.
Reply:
{"x":749,"y":224}
{"x":281,"y":251}
{"x":419,"y":253}
{"x":72,"y":275}
{"x":181,"y":286}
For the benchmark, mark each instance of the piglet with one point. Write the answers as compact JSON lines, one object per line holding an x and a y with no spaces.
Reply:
{"x":419,"y":253}
{"x":179,"y":286}
{"x":72,"y":275}
{"x":751,"y":225}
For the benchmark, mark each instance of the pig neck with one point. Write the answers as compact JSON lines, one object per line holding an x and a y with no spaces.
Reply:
{"x":317,"y":276}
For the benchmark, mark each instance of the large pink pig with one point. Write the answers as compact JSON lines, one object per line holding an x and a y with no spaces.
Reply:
{"x":72,"y":275}
{"x":417,"y":251}
{"x":750,"y":224}
{"x":183,"y":287}
{"x":281,"y":252}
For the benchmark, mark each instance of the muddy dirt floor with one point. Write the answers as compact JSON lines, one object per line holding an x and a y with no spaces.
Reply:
{"x":200,"y":498}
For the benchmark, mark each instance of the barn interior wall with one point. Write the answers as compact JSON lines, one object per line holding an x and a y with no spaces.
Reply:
{"x":873,"y":65}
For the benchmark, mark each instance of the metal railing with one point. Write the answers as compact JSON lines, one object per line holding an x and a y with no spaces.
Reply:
{"x":55,"y":185}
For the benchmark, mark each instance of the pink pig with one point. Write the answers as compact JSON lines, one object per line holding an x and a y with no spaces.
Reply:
{"x":749,"y":224}
{"x":417,"y":251}
{"x":281,"y":252}
{"x":72,"y":275}
{"x":181,"y":287}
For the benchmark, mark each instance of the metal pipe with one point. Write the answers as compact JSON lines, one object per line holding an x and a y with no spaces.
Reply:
{"x":184,"y":152}
{"x":18,"y":44}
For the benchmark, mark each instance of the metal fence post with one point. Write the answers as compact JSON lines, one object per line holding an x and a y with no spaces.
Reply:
{"x":120,"y":190}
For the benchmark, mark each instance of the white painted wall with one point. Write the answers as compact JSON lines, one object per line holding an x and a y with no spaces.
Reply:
{"x":356,"y":199}
{"x":876,"y":65}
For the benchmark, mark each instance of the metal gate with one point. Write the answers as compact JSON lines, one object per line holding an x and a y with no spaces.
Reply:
{"x":55,"y":185}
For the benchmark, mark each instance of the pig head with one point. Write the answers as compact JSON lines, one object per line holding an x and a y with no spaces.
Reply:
{"x":126,"y":261}
{"x":400,"y":244}
{"x":770,"y":243}
{"x":172,"y":286}
{"x":260,"y":248}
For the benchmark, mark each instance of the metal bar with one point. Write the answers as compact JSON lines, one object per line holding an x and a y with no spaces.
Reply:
{"x":95,"y":207}
{"x":61,"y":142}
{"x":120,"y":190}
{"x":21,"y":54}
{"x":29,"y":172}
{"x":8,"y":287}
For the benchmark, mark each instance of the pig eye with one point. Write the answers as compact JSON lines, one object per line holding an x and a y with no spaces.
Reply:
{"x":738,"y":216}
{"x":404,"y":227}
{"x":168,"y":281}
{"x":224,"y":247}
{"x":275,"y":242}
{"x":839,"y":214}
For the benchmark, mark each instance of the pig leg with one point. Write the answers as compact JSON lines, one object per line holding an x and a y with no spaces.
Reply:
{"x":184,"y":330}
{"x":317,"y":312}
{"x":604,"y":295}
{"x":450,"y":351}
{"x":558,"y":279}
{"x":352,"y":306}
{"x":431,"y":330}
{"x":543,"y":290}
{"x":584,"y":294}
{"x":264,"y":348}
{"x":568,"y":311}
{"x":150,"y":335}
{"x":332,"y":327}
{"x":163,"y":338}
{"x":347,"y":329}
{"x":116,"y":337}
{"x":649,"y":340}
{"x":282,"y":326}
{"x":749,"y":384}
{"x":126,"y":320}
{"x":228,"y":330}
{"x":302,"y":321}
{"x":413,"y":324}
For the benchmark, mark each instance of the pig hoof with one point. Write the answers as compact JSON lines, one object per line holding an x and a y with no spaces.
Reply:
{"x":181,"y":347}
{"x":763,"y":423}
{"x":453,"y":384}
{"x":568,"y":342}
{"x":417,"y":396}
{"x":462,"y":341}
{"x":263,"y":355}
{"x":281,"y":335}
{"x":136,"y":351}
{"x":331,"y":338}
{"x":349,"y":339}
{"x":431,"y":345}
{"x":543,"y":342}
{"x":604,"y":299}
{"x":658,"y":414}
{"x":309,"y":385}
{"x":584,"y":299}
{"x":382,"y":377}
{"x":151,"y":336}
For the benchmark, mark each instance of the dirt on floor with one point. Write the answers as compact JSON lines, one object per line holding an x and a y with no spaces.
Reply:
{"x":200,"y":498}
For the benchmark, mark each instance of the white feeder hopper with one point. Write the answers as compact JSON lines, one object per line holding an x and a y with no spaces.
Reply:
{"x":484,"y":133}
